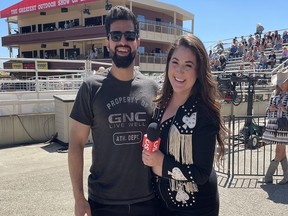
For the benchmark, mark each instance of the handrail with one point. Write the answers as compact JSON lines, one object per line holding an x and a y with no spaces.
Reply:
{"x":279,"y":67}
{"x":39,"y":83}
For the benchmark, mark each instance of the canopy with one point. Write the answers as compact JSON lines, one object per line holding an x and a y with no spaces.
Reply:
{"x":30,"y":6}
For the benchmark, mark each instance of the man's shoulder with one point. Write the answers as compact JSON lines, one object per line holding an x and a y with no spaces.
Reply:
{"x":145,"y":78}
{"x":95,"y":80}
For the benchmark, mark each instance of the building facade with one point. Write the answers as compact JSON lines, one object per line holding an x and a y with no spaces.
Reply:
{"x":74,"y":29}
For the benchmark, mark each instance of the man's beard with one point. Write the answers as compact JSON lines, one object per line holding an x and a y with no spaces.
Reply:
{"x":123,"y":61}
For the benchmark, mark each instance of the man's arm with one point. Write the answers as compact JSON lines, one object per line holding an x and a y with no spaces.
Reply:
{"x":78,"y":137}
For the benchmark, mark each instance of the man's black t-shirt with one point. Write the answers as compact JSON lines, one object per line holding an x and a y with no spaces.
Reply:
{"x":119,"y":113}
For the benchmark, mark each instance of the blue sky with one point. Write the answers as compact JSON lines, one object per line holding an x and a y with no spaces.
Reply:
{"x":214,"y":20}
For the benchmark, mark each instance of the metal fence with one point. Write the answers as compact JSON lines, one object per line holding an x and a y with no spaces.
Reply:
{"x":246,"y":155}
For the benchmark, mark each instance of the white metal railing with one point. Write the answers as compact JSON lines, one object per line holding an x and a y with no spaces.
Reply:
{"x":280,"y":67}
{"x":35,"y":94}
{"x":161,"y":27}
{"x":156,"y":58}
{"x":70,"y":80}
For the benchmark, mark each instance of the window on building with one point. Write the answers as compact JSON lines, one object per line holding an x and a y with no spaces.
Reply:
{"x":141,"y":19}
{"x":25,"y":29}
{"x":158,"y":28}
{"x":61,"y":24}
{"x":93,"y":21}
{"x":49,"y":26}
{"x":141,"y":50}
{"x":76,"y":22}
{"x":72,"y":53}
{"x":27,"y":54}
{"x":50,"y":54}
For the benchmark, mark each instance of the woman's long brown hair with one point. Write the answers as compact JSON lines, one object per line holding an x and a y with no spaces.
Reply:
{"x":204,"y":88}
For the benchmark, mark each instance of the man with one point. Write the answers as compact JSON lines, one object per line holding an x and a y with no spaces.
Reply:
{"x":271,"y":59}
{"x":259,"y":29}
{"x":262,"y":61}
{"x":117,"y":106}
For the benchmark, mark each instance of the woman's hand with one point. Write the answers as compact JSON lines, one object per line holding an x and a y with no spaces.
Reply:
{"x":272,"y":108}
{"x":282,"y":108}
{"x":154,"y":160}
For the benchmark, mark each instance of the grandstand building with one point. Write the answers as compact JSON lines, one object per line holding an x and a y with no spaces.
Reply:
{"x":69,"y":29}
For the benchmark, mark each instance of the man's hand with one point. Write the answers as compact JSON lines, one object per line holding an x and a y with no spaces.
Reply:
{"x":82,"y":208}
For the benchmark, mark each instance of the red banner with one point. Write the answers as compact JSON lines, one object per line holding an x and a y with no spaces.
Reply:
{"x":30,"y":6}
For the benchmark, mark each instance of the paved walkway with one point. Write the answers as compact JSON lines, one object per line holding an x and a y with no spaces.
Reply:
{"x":34,"y":181}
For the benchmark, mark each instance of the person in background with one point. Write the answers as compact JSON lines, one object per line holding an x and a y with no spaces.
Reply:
{"x":233,"y":51}
{"x":259,"y":29}
{"x":285,"y":36}
{"x":117,"y":106}
{"x":255,"y":53}
{"x":278,"y":107}
{"x":251,"y":41}
{"x":188,"y":114}
{"x":93,"y":52}
{"x":271,"y":59}
{"x":240,"y":49}
{"x":284,"y":56}
{"x":278,"y":42}
{"x":262,"y":45}
{"x":223,"y":62}
{"x":219,"y":47}
{"x":262,"y":61}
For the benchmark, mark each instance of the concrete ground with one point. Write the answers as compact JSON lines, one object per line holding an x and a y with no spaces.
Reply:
{"x":34,"y":180}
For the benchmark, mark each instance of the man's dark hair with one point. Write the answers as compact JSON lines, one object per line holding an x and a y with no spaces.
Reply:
{"x":120,"y":13}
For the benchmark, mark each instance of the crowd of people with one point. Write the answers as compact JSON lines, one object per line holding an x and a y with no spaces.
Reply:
{"x":251,"y":50}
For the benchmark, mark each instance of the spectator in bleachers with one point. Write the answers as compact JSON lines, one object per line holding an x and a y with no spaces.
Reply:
{"x":223,"y":62}
{"x":269,"y":42}
{"x":271,"y":59}
{"x":284,"y":54}
{"x":215,"y":64}
{"x":235,"y":41}
{"x":262,"y":61}
{"x":245,"y":55}
{"x":233,"y":51}
{"x":255,"y":53}
{"x":278,"y":42}
{"x":257,"y":40}
{"x":215,"y":54}
{"x":268,"y":35}
{"x":275,"y":35}
{"x":251,"y":41}
{"x":210,"y":54}
{"x":268,"y":38}
{"x":249,"y":53}
{"x":244,"y":42}
{"x":259,"y":29}
{"x":219,"y":47}
{"x":285,"y":36}
{"x":262,"y":45}
{"x":240,"y":49}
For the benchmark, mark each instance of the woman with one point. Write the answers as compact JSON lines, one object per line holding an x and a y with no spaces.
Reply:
{"x":284,"y":56}
{"x":188,"y":113}
{"x":277,"y":108}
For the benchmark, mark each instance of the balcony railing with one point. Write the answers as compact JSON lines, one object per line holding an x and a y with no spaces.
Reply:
{"x":76,"y":33}
{"x":81,"y":32}
{"x":156,"y":58}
